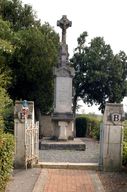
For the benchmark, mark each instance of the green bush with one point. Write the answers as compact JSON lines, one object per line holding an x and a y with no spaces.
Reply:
{"x":125,"y":143}
{"x":91,"y":124}
{"x":6,"y":158}
{"x":124,"y":153}
{"x":81,"y":127}
{"x":8,"y":117}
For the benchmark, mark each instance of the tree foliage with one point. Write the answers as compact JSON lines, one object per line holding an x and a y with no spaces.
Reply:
{"x":100,"y":75}
{"x":32,"y":65}
{"x":6,"y":49}
{"x":20,"y":16}
{"x":35,"y":54}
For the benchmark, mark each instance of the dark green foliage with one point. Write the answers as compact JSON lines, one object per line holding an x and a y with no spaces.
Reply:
{"x":35,"y":54}
{"x":8,"y":117}
{"x":6,"y":50}
{"x":20,"y":17}
{"x":32,"y":65}
{"x":6,"y":158}
{"x":100,"y":75}
{"x":6,"y":140}
{"x":81,"y":126}
{"x":124,"y":153}
{"x":89,"y":125}
{"x":125,"y":143}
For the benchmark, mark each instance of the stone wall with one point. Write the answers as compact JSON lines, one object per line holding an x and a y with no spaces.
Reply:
{"x":46,"y":129}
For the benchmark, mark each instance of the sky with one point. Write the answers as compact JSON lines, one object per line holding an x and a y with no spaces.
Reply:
{"x":104,"y":18}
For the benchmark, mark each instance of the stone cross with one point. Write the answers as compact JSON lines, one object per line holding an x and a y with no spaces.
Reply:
{"x":64,"y":23}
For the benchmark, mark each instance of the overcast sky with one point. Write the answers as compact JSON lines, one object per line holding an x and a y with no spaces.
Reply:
{"x":104,"y":18}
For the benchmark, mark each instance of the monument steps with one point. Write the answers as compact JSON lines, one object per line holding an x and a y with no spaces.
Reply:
{"x":67,"y":165}
{"x":49,"y":144}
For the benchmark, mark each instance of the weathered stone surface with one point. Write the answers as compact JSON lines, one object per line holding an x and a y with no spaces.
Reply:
{"x":90,"y":155}
{"x":50,"y":144}
{"x":63,"y":95}
{"x":65,"y":146}
{"x":20,"y":125}
{"x":26,"y":134}
{"x":111,"y":140}
{"x":63,"y":130}
{"x":64,"y":72}
{"x":62,"y":117}
{"x":45,"y":126}
{"x":64,"y":23}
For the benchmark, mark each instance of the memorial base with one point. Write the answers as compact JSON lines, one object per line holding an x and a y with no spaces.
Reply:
{"x":62,"y":130}
{"x":63,"y":126}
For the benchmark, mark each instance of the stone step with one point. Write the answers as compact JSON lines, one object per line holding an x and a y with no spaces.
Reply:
{"x":62,"y":146}
{"x":67,"y":165}
{"x":47,"y":143}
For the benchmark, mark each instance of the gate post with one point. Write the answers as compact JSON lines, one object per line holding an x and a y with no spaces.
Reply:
{"x":111,"y":141}
{"x":24,"y":129}
{"x":101,"y":146}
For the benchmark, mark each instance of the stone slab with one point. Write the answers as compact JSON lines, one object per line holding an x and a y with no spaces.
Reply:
{"x":48,"y":143}
{"x":63,"y":100}
{"x":63,"y":116}
{"x":59,"y":165}
{"x":63,"y":146}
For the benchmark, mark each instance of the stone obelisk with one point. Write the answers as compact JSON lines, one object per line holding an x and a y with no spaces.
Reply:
{"x":62,"y":116}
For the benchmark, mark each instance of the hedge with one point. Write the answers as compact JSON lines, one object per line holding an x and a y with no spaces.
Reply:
{"x":125,"y":143}
{"x":91,"y":124}
{"x":6,"y":158}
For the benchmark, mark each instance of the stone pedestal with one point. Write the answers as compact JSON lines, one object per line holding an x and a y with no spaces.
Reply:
{"x":63,"y":126}
{"x":111,"y":137}
{"x":62,"y":130}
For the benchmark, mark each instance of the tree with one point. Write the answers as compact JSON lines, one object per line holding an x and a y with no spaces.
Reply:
{"x":32,"y":65}
{"x":100,"y":75}
{"x":20,"y":16}
{"x":35,"y":54}
{"x":6,"y":48}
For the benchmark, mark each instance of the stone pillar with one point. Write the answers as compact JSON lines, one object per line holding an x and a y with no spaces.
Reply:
{"x":111,"y":140}
{"x":23,"y":118}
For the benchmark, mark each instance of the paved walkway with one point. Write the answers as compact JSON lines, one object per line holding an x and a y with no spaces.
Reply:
{"x":90,"y":155}
{"x":23,"y":180}
{"x":55,"y":180}
{"x":60,"y":180}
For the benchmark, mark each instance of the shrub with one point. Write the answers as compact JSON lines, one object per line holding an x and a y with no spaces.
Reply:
{"x":91,"y":124}
{"x":125,"y":143}
{"x":81,"y":127}
{"x":124,"y":153}
{"x":6,"y":158}
{"x":5,"y":105}
{"x":8,"y":117}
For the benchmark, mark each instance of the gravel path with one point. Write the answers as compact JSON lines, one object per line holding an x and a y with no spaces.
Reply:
{"x":114,"y":181}
{"x":90,"y":155}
